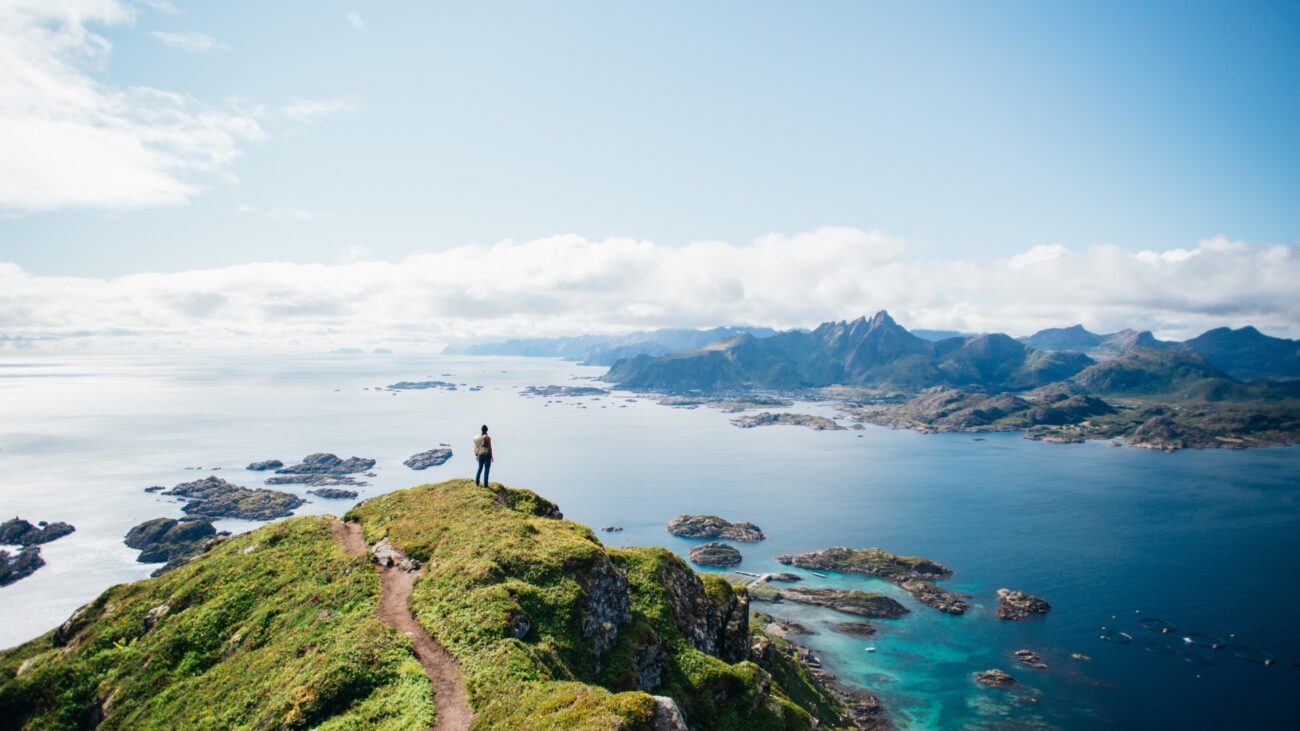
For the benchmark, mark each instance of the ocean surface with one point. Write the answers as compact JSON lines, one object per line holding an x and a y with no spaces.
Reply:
{"x":1206,"y":540}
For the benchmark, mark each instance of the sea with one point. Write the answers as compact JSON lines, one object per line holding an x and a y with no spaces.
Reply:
{"x":1201,"y":544}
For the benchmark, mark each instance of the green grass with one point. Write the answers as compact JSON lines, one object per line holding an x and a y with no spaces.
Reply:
{"x":493,"y":558}
{"x":277,"y":629}
{"x":272,"y":629}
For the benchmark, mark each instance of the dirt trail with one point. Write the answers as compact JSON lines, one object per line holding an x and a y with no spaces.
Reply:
{"x":449,"y":697}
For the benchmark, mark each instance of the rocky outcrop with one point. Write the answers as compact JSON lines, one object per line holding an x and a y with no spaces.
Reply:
{"x":855,"y":629}
{"x":1018,"y":606}
{"x":995,"y":678}
{"x":870,"y":561}
{"x":213,"y":497}
{"x":711,"y":526}
{"x":931,"y":594}
{"x":767,"y":418}
{"x":421,"y":385}
{"x":19,"y":565}
{"x":781,"y":626}
{"x":427,"y":459}
{"x":389,"y":556}
{"x":714,"y":554}
{"x":667,"y":716}
{"x":562,"y":391}
{"x":333,"y":493}
{"x":18,"y":532}
{"x":605,"y":606}
{"x":324,"y":463}
{"x":1030,"y":658}
{"x":316,"y":480}
{"x":270,"y":464}
{"x":170,"y":541}
{"x":848,"y":601}
{"x":913,"y":574}
{"x":714,"y":620}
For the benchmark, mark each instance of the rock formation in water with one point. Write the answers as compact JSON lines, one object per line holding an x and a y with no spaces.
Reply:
{"x":767,"y":418}
{"x":849,"y":601}
{"x":19,"y":532}
{"x":427,"y":459}
{"x":213,"y":497}
{"x":170,"y":541}
{"x":714,"y":554}
{"x":1018,"y":606}
{"x":913,"y":574}
{"x":19,"y":565}
{"x":324,"y":463}
{"x":711,"y":526}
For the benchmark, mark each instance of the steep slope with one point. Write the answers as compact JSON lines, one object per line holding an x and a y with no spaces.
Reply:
{"x":272,"y":629}
{"x":279,"y":628}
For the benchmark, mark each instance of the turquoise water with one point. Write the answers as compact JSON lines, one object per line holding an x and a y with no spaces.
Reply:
{"x":1208,"y":540}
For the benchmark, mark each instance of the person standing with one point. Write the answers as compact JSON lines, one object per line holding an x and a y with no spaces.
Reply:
{"x":483,"y":452}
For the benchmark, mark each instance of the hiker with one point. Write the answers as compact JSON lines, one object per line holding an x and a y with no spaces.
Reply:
{"x":483,"y":452}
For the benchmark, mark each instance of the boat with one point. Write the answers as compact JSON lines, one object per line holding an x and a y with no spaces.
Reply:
{"x":820,"y":576}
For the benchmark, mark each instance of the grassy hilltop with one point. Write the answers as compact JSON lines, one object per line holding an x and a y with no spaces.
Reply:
{"x":278,"y":628}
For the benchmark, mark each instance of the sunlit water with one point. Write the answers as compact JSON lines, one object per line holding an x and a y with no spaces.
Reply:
{"x":1208,"y":540}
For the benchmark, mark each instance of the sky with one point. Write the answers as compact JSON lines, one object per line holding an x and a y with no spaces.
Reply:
{"x":307,"y":175}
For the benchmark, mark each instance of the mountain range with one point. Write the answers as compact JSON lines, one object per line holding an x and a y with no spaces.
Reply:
{"x":606,"y":349}
{"x":880,"y":353}
{"x":1245,"y":353}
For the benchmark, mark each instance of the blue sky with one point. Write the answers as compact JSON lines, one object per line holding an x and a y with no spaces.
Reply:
{"x":328,"y":132}
{"x":967,"y":128}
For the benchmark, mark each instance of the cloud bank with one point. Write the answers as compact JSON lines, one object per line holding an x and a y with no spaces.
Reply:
{"x":70,"y":140}
{"x":568,"y":284}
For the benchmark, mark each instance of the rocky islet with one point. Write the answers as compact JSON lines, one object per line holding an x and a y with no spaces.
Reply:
{"x":711,"y":526}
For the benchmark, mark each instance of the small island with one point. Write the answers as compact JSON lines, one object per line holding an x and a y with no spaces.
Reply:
{"x":711,"y":526}
{"x":562,"y":391}
{"x":849,"y":601}
{"x":324,"y":463}
{"x":19,"y":532}
{"x":213,"y":497}
{"x":427,"y":459}
{"x":270,"y":464}
{"x":1017,"y":606}
{"x":19,"y":565}
{"x":333,"y":493}
{"x":421,"y":385}
{"x":714,"y":554}
{"x":768,"y":418}
{"x":912,"y":574}
{"x":170,"y":541}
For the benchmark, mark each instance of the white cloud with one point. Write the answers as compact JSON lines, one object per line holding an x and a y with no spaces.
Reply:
{"x":162,"y":6}
{"x":355,"y":19}
{"x":189,"y":41}
{"x":283,"y":213}
{"x":305,"y":110}
{"x":70,"y":140}
{"x":568,"y":284}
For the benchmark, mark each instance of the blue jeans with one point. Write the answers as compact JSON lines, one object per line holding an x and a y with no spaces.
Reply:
{"x":484,"y":466}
